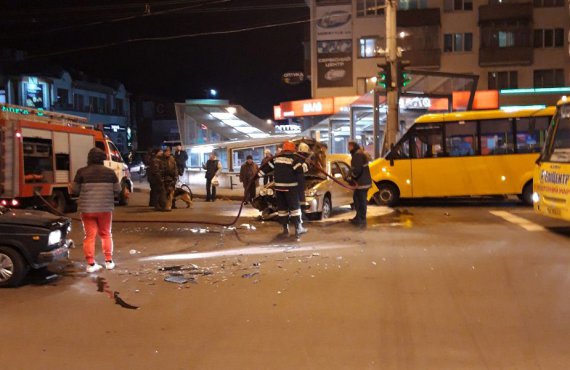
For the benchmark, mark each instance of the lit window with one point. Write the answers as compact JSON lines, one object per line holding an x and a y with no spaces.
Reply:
{"x":368,"y":47}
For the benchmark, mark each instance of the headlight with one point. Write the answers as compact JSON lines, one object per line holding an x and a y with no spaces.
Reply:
{"x":311,"y":193}
{"x":54,"y":237}
{"x":535,"y":197}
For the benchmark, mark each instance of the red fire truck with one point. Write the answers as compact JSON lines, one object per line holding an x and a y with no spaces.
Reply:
{"x":41,"y":151}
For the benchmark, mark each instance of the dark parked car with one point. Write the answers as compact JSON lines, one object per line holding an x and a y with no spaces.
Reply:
{"x":30,"y":239}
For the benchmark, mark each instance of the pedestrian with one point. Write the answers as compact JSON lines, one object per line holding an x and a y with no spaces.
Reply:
{"x":97,"y":187}
{"x":360,"y":178}
{"x":154,"y":174}
{"x":286,"y":165}
{"x":181,"y":158}
{"x":303,"y":154}
{"x":267,"y":157}
{"x":213,"y":168}
{"x":169,"y":177}
{"x":248,"y":175}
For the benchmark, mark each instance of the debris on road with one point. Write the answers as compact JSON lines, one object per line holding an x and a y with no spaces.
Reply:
{"x":250,"y":275}
{"x":178,"y":279}
{"x":122,"y":303}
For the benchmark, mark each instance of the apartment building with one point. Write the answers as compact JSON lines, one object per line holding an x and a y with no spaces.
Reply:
{"x":106,"y":104}
{"x":509,"y":44}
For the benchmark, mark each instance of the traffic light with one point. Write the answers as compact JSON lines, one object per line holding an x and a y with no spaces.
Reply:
{"x":404,"y":77}
{"x":384,"y":76}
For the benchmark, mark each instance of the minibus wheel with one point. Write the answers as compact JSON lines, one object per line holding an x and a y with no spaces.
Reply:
{"x":388,"y":194}
{"x":526,"y":195}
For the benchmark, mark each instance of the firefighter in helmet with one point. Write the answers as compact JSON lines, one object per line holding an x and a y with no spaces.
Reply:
{"x":286,"y":165}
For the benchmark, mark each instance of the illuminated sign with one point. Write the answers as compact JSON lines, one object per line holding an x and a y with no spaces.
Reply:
{"x":484,"y":99}
{"x":287,"y":129}
{"x":23,"y":111}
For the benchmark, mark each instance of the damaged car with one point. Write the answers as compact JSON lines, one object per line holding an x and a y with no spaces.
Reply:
{"x":322,"y":194}
{"x":30,"y":240}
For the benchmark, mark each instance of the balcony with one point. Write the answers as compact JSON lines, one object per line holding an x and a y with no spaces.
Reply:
{"x":424,"y":58}
{"x":505,"y":12}
{"x":505,"y":56}
{"x":419,"y":17}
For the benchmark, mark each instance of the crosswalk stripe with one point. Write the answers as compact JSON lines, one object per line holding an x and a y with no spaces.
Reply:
{"x":522,"y":222}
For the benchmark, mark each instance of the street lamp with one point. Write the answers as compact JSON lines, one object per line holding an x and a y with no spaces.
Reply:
{"x":213,"y":93}
{"x":269,"y":121}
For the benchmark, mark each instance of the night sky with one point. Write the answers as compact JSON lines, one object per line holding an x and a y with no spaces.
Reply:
{"x":245,"y":67}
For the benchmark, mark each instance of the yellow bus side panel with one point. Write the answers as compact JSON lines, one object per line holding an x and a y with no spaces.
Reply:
{"x":399,"y":174}
{"x":477,"y":175}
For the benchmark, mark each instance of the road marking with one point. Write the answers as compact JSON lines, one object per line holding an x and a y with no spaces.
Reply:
{"x":522,"y":222}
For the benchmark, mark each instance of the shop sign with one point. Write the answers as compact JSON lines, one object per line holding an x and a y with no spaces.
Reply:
{"x":293,"y":78}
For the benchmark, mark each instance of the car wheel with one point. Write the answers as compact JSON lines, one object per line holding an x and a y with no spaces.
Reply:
{"x":327,"y":208}
{"x":526,"y":195}
{"x":387,"y":195}
{"x":58,"y":201}
{"x":13,"y":268}
{"x":124,"y":196}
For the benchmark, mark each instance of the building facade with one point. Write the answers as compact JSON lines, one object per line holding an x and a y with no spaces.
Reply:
{"x":508,"y":44}
{"x":106,"y":105}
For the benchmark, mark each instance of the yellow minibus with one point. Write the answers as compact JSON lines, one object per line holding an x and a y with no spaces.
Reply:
{"x":473,"y":153}
{"x":552,"y":173}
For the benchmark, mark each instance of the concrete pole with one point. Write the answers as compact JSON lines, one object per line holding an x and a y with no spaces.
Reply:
{"x":392,"y":125}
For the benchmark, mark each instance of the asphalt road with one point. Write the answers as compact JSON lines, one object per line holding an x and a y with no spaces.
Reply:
{"x":466,"y":284}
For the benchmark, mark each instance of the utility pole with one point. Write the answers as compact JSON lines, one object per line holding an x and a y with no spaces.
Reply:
{"x":392,"y":125}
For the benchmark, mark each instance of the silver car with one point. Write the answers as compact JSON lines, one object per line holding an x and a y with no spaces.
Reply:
{"x":322,"y":193}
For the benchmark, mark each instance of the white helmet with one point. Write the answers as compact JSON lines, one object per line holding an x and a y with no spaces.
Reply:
{"x":304,"y":148}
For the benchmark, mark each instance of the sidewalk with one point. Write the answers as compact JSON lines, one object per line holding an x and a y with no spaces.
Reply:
{"x":197,"y":191}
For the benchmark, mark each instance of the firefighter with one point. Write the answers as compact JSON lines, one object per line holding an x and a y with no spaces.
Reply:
{"x":169,"y":177}
{"x":286,"y":165}
{"x":359,"y":177}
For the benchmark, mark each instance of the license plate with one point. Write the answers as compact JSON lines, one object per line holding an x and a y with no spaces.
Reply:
{"x":553,"y":211}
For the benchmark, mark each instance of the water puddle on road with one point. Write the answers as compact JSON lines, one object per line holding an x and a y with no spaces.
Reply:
{"x":399,"y":218}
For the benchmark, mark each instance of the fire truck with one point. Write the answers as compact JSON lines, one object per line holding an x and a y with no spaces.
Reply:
{"x":40,"y":153}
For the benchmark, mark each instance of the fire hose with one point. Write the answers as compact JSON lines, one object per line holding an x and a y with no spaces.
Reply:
{"x":221,"y":224}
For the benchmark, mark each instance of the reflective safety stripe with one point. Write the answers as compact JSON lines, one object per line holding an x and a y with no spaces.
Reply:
{"x":261,"y":173}
{"x":364,"y":187}
{"x":284,"y":160}
{"x":305,"y":167}
{"x":271,"y":165}
{"x":297,"y":166}
{"x":286,"y":184}
{"x":296,"y":212}
{"x":282,"y":213}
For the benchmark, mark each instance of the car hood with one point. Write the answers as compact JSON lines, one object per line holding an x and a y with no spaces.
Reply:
{"x":30,"y":218}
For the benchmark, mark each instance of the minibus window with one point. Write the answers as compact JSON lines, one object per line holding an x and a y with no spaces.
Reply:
{"x":561,"y":146}
{"x":497,"y":137}
{"x":402,"y":149}
{"x":427,"y":142}
{"x":531,"y":133}
{"x":461,"y":138}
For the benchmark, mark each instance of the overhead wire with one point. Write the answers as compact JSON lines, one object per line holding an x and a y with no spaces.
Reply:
{"x":122,"y":19}
{"x":166,"y":38}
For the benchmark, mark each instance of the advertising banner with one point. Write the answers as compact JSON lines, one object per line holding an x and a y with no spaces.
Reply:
{"x":334,"y":22}
{"x":334,"y":63}
{"x":334,"y":46}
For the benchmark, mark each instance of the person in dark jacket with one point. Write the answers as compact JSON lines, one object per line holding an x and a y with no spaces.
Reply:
{"x":286,"y":166}
{"x":169,"y":177}
{"x":154,"y":175}
{"x":97,"y":187}
{"x":247,"y":174}
{"x":303,"y":153}
{"x":268,"y":176}
{"x":213,"y":167}
{"x":181,"y":158}
{"x":360,"y":177}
